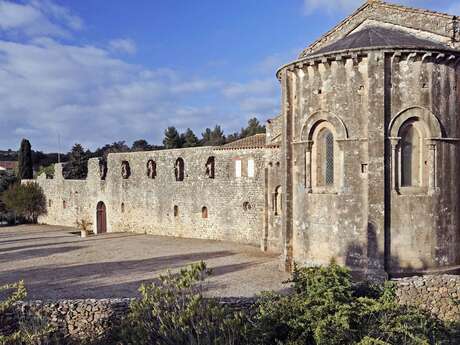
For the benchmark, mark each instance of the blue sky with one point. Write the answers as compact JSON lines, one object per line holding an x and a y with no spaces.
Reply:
{"x":98,"y":71}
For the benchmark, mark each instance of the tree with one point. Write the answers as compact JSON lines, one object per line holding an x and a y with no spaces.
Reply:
{"x":26,"y":200}
{"x":25,"y":166}
{"x":254,"y":127}
{"x":214,"y":137}
{"x":77,"y":166}
{"x":7,"y":179}
{"x":141,"y":145}
{"x":172,"y":139}
{"x":190,"y":139}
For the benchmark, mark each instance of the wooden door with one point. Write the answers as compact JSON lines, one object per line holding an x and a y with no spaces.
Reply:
{"x":101,"y":218}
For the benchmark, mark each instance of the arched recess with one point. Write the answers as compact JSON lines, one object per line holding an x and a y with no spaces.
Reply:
{"x":431,"y":123}
{"x":408,"y":153}
{"x":315,"y":119}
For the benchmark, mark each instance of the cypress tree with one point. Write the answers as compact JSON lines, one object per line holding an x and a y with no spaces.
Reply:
{"x":25,"y":166}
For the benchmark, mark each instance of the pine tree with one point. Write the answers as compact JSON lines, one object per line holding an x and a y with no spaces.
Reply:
{"x":190,"y":139}
{"x":172,"y":138}
{"x":254,"y":127}
{"x":214,"y":137}
{"x":141,"y":145}
{"x":25,"y":165}
{"x":77,"y":166}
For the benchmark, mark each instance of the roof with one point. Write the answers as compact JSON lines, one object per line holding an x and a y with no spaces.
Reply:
{"x":253,"y":142}
{"x":8,"y":165}
{"x":375,"y":36}
{"x":433,"y":22}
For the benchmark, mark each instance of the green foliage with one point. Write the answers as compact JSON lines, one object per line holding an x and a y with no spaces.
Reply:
{"x":25,"y":200}
{"x":253,"y":127}
{"x":48,"y":171}
{"x":213,"y":137}
{"x":25,"y":165}
{"x":173,"y":311}
{"x":190,"y":139}
{"x":325,"y":310}
{"x":30,"y":330}
{"x":77,"y":166}
{"x":172,"y":138}
{"x":140,"y":145}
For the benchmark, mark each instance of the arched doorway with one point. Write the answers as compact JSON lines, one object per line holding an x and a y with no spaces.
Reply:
{"x":101,"y":218}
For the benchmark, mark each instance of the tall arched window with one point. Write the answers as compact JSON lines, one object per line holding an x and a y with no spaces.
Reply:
{"x":325,"y":158}
{"x":210,"y":167}
{"x":410,"y":155}
{"x":204,"y":212}
{"x":179,"y":168}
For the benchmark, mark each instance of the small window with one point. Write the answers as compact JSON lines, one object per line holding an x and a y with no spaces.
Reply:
{"x":102,"y":168}
{"x":246,"y":206}
{"x":204,"y":212}
{"x":176,"y":211}
{"x":410,"y":157}
{"x":210,"y":167}
{"x":238,"y":168}
{"x":251,"y":170}
{"x":278,"y":201}
{"x":179,"y":169}
{"x":151,"y":169}
{"x":122,"y":207}
{"x":64,"y":204}
{"x":125,"y":170}
{"x":325,"y":158}
{"x":49,"y":202}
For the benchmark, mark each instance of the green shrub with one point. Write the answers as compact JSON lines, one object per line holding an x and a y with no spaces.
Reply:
{"x":25,"y":200}
{"x":324,"y":309}
{"x":173,"y":311}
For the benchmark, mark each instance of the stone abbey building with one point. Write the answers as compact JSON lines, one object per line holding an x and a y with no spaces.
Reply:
{"x":361,"y":166}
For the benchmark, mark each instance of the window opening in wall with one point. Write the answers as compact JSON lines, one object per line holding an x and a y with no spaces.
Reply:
{"x":238,"y":168}
{"x":329,"y":169}
{"x":251,"y":169}
{"x":64,"y":204}
{"x":247,"y":206}
{"x":151,"y":169}
{"x":102,"y":168}
{"x":179,"y":168}
{"x":210,"y":167}
{"x":122,"y":207}
{"x":125,"y":170}
{"x":49,"y":202}
{"x":204,"y":212}
{"x":410,"y":156}
{"x":278,"y":201}
{"x":176,"y":211}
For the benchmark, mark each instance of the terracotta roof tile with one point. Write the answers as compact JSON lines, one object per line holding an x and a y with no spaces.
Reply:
{"x":253,"y":142}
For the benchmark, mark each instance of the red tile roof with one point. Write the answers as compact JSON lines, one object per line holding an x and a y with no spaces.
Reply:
{"x":256,"y":141}
{"x":8,"y":165}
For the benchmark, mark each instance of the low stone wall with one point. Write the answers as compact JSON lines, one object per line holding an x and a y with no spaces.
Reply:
{"x":438,"y":294}
{"x":83,"y":319}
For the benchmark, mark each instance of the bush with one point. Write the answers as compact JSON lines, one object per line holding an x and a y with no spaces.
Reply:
{"x":173,"y":311}
{"x":25,"y":200}
{"x":325,"y":310}
{"x":32,"y":330}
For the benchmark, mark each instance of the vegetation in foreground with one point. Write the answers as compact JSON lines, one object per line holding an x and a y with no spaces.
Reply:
{"x":324,"y":307}
{"x":24,"y":201}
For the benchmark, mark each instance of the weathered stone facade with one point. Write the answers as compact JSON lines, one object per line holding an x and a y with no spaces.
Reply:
{"x":361,"y":166}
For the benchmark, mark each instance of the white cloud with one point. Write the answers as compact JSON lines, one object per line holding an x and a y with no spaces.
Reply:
{"x":37,"y":18}
{"x":123,"y":45}
{"x":254,"y":87}
{"x":344,"y":6}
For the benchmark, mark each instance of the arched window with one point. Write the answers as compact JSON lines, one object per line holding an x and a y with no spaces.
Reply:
{"x":151,"y":169}
{"x":325,"y":158}
{"x":122,"y":207}
{"x":204,"y":212}
{"x":125,"y":170}
{"x":246,"y":206}
{"x":411,"y":153}
{"x":49,"y":202}
{"x":64,"y":204}
{"x":102,"y":168}
{"x":179,"y":168}
{"x":176,"y":211}
{"x":210,"y":165}
{"x":278,"y":201}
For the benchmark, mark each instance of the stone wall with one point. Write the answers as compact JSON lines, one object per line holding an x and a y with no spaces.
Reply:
{"x":235,"y":205}
{"x":81,"y":319}
{"x":439,"y":295}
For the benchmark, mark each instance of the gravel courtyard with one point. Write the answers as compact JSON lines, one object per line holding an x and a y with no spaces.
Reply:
{"x":56,"y":264}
